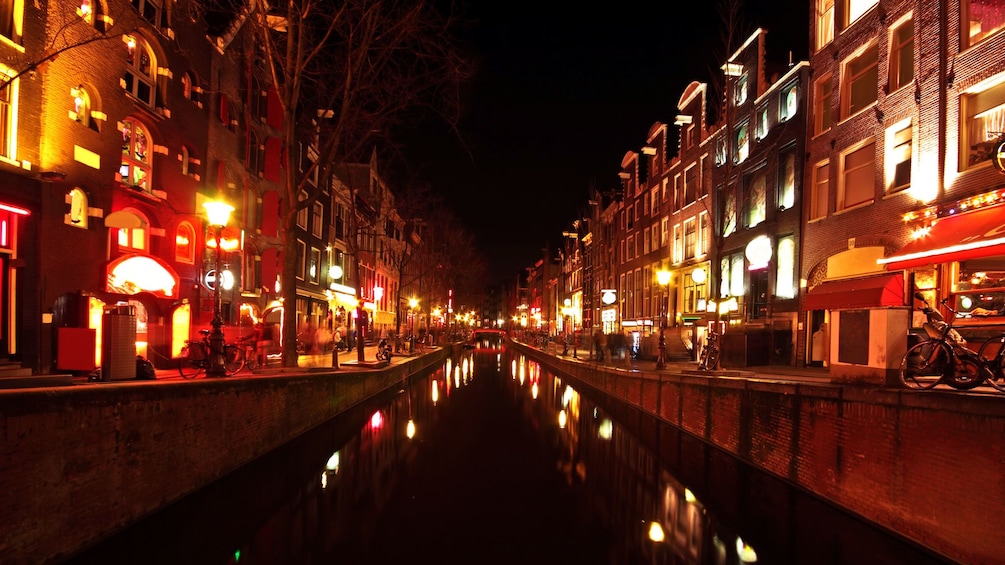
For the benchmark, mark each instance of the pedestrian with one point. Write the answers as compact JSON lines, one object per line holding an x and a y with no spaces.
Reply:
{"x":263,"y":342}
{"x":603,"y":345}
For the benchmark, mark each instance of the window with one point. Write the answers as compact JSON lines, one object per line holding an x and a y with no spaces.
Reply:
{"x":141,"y":69}
{"x":12,"y":19}
{"x":655,"y":241}
{"x":762,"y":123}
{"x":314,"y":270}
{"x":93,"y":12}
{"x":77,"y":215}
{"x":81,"y":112}
{"x":825,"y":22}
{"x":983,"y":121}
{"x":854,"y":9}
{"x":690,"y":184}
{"x":720,"y":152}
{"x":858,"y":176}
{"x":256,"y":154}
{"x":302,"y":212}
{"x":645,"y":245}
{"x":301,"y":258}
{"x":134,"y":238}
{"x":149,"y":9}
{"x":678,"y":244}
{"x":705,"y":233}
{"x":898,"y":160}
{"x":678,"y":192}
{"x":184,"y":243}
{"x":317,"y":214}
{"x":822,"y":105}
{"x":631,"y":248}
{"x":787,"y":181}
{"x":340,"y":224}
{"x":740,"y":94}
{"x":860,"y":81}
{"x":786,"y":273}
{"x":732,"y":275}
{"x":690,"y":238}
{"x":654,"y":200}
{"x":664,"y":231}
{"x":757,"y":199}
{"x":729,"y":214}
{"x":186,"y":86}
{"x":902,"y":55}
{"x":137,"y":164}
{"x":189,"y":163}
{"x":742,"y":142}
{"x":982,"y":18}
{"x":818,"y":198}
{"x":8,"y":112}
{"x":787,"y":103}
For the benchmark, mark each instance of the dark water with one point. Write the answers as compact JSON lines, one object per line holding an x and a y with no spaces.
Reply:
{"x":507,"y":464}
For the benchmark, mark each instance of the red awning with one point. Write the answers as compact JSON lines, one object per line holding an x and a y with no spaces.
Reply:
{"x":871,"y":292}
{"x":955,"y":238}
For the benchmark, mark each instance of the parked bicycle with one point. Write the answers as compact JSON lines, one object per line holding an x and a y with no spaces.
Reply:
{"x":992,"y":351}
{"x":709,"y":360}
{"x":195,"y":357}
{"x":945,"y":358}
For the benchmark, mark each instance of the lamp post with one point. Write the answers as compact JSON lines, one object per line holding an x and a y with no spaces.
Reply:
{"x":663,"y":278}
{"x":218,"y":214}
{"x":413,"y":303}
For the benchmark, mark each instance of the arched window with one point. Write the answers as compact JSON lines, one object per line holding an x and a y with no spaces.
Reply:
{"x":141,"y":71}
{"x":77,"y":216}
{"x":185,"y":243}
{"x":135,"y":239}
{"x":137,"y":156}
{"x":93,"y":12}
{"x":189,"y":163}
{"x":83,"y":107}
{"x":186,"y":85}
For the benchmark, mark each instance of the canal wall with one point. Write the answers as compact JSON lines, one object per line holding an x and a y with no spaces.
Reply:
{"x":929,"y":465}
{"x":79,"y":463}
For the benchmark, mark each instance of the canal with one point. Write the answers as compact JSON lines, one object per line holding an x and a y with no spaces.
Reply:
{"x":492,"y":459}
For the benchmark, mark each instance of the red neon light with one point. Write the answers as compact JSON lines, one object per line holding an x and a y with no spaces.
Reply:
{"x":14,"y":209}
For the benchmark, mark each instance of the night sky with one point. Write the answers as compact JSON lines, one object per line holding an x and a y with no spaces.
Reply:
{"x":560,"y":96}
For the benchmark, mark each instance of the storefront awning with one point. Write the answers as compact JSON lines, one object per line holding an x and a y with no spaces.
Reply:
{"x":955,"y":238}
{"x":869,"y":292}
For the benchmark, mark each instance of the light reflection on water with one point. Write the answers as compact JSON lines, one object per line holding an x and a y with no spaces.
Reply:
{"x":338,"y":493}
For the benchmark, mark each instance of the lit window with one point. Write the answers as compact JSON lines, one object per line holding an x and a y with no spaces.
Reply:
{"x":898,"y":160}
{"x":757,"y":199}
{"x":134,"y":238}
{"x":93,"y":12}
{"x":818,"y":198}
{"x":902,"y":55}
{"x":762,"y":123}
{"x":825,"y":22}
{"x":82,"y":108}
{"x":12,"y":19}
{"x":137,"y":163}
{"x":787,"y":103}
{"x":729,"y":214}
{"x":786,"y":273}
{"x":858,"y":176}
{"x":742,"y":142}
{"x":141,"y":69}
{"x":740,"y":95}
{"x":301,"y":258}
{"x":854,"y":9}
{"x":860,"y":81}
{"x":678,"y":244}
{"x":77,"y":216}
{"x":186,"y":86}
{"x":822,"y":105}
{"x":690,"y":238}
{"x":185,"y":243}
{"x":314,"y":269}
{"x":189,"y":163}
{"x":705,"y":234}
{"x":983,"y":123}
{"x":982,"y":18}
{"x":787,"y":181}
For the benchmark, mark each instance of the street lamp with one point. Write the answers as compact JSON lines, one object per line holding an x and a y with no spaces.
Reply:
{"x":413,"y":303}
{"x":663,"y":278}
{"x":218,"y":214}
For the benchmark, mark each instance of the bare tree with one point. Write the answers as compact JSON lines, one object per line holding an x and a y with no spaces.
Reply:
{"x":347,"y":72}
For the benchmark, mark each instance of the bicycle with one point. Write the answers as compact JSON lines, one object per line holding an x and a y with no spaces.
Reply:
{"x":709,"y":360}
{"x":945,"y":358}
{"x":995,"y":358}
{"x":195,"y":357}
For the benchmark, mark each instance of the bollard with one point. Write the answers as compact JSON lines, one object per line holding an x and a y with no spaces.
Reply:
{"x":335,"y":357}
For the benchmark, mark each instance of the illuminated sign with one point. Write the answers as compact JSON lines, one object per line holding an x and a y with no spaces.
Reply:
{"x":999,"y":157}
{"x":138,"y":273}
{"x":758,"y":252}
{"x":608,"y":296}
{"x":227,"y":278}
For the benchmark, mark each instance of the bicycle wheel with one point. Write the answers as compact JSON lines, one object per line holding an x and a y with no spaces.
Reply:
{"x":991,"y":352}
{"x":192,"y":362}
{"x":925,"y":364}
{"x":251,"y":359}
{"x":712,"y":359}
{"x":233,"y":358}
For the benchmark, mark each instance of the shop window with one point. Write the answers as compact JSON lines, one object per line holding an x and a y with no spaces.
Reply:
{"x":822,"y":105}
{"x":77,"y":215}
{"x":981,"y":18}
{"x":184,"y":243}
{"x":980,"y":287}
{"x":818,"y":198}
{"x":742,"y":142}
{"x":855,"y":9}
{"x":785,"y":276}
{"x":141,"y":70}
{"x":787,"y":102}
{"x":137,"y":158}
{"x":983,"y":124}
{"x":787,"y":181}
{"x":860,"y":78}
{"x":731,"y":283}
{"x":858,"y":176}
{"x":898,"y":160}
{"x":756,"y":199}
{"x":825,"y":22}
{"x":902,"y":55}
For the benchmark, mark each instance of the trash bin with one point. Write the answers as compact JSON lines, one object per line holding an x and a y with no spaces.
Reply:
{"x":118,"y":343}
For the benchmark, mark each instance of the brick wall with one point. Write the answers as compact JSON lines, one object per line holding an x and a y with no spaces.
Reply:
{"x":925,"y":465}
